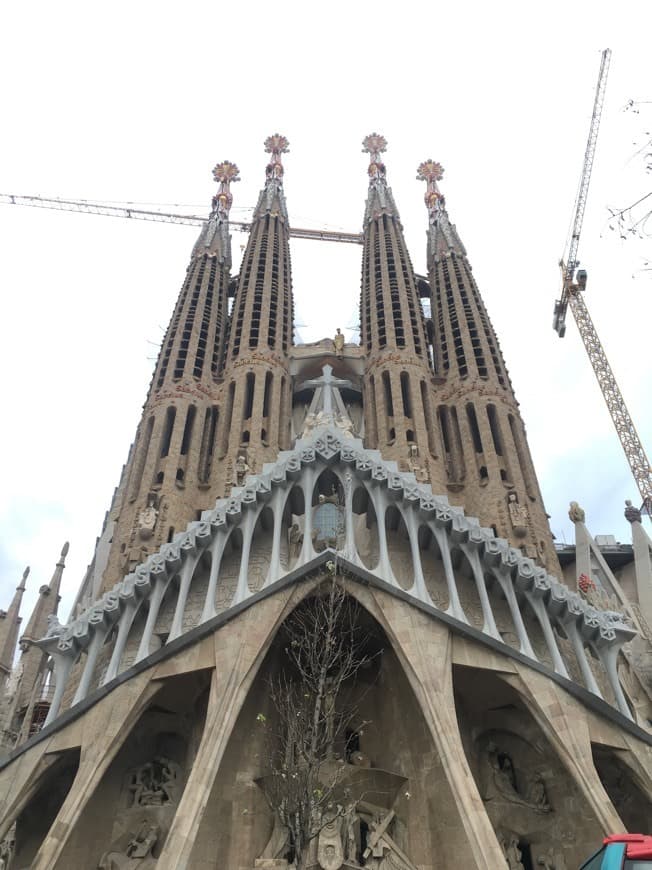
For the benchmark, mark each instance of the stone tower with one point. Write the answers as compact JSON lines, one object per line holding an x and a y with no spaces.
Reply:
{"x":398,"y":368}
{"x":9,"y":628}
{"x":172,"y":474}
{"x":255,"y":423}
{"x":298,"y":652}
{"x":487,"y":459}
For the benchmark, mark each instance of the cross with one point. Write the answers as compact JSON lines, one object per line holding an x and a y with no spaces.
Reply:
{"x":327,"y":382}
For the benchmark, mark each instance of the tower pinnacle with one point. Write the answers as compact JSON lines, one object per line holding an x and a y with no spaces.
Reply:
{"x":272,"y":199}
{"x":431,"y":172}
{"x":442,"y":235}
{"x":225,"y":174}
{"x":380,"y":199}
{"x":374,"y":145}
{"x":276,"y":145}
{"x":9,"y":627}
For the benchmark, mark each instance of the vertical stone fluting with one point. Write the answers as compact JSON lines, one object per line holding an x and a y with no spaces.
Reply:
{"x":171,"y":474}
{"x":255,"y":423}
{"x":489,"y":468}
{"x":398,"y":383}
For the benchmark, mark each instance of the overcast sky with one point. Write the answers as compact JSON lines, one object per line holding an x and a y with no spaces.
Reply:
{"x":138,"y":101}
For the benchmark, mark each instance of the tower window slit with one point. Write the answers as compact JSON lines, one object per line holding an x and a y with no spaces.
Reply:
{"x":389,"y":406}
{"x":267,"y":396}
{"x":475,"y":429}
{"x":427,"y":411}
{"x":524,"y":461}
{"x":373,"y":419}
{"x":170,"y":415}
{"x":495,"y":429}
{"x":249,"y":395}
{"x":187,"y":430}
{"x":228,"y":417}
{"x":405,"y":394}
{"x":141,"y":458}
{"x":283,"y":422}
{"x":208,"y":443}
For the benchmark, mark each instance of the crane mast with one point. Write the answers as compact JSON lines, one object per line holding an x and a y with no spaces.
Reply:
{"x":571,"y":264}
{"x":573,"y":286}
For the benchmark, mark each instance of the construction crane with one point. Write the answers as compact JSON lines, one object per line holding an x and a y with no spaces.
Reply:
{"x":126,"y":211}
{"x":573,"y":286}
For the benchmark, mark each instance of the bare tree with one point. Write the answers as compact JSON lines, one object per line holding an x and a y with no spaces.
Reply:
{"x":311,"y":697}
{"x":635,"y":218}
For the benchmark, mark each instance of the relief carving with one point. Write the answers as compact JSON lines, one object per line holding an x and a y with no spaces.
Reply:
{"x":501,"y":783}
{"x":518,"y":515}
{"x":148,"y":516}
{"x":155,"y":783}
{"x":240,"y":470}
{"x":137,"y":854}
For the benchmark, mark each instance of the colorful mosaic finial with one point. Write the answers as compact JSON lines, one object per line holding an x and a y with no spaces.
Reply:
{"x":431,"y":172}
{"x":276,"y":145}
{"x":374,"y":144}
{"x":224,"y":173}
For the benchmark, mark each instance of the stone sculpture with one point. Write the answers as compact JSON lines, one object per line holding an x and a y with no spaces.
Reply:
{"x":575,"y":513}
{"x":154,"y":784}
{"x":512,"y":852}
{"x":240,"y":470}
{"x":136,"y":853}
{"x":502,"y":784}
{"x":148,"y":516}
{"x":518,"y":515}
{"x":338,"y":343}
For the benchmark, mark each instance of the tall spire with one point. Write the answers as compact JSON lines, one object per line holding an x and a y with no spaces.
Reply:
{"x":254,"y":422}
{"x":170,"y":471}
{"x":487,"y":459}
{"x":398,"y":376}
{"x":47,"y":603}
{"x":9,"y":627}
{"x":32,"y":656}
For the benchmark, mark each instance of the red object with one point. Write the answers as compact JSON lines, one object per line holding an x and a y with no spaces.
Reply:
{"x":638,"y":845}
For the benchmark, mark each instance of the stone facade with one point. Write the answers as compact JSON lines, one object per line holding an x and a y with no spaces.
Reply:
{"x":497,"y":716}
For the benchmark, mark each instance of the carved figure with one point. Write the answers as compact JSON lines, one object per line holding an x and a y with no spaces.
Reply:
{"x":575,"y":513}
{"x":240,"y":470}
{"x":295,"y":541}
{"x":154,"y":783}
{"x":338,"y":343}
{"x":330,"y":851}
{"x":632,"y":514}
{"x":502,"y":771}
{"x":148,"y":516}
{"x":512,"y":853}
{"x":502,"y":783}
{"x":419,"y":471}
{"x":518,"y":515}
{"x":344,"y":422}
{"x":137,"y":850}
{"x":382,"y":853}
{"x":537,"y":795}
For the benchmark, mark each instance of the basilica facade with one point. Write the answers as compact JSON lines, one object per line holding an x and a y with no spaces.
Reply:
{"x":326,"y":625}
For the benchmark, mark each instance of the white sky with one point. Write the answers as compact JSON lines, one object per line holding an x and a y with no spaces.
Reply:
{"x":138,"y":101}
